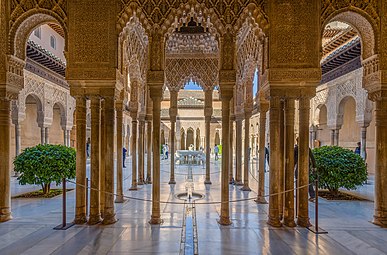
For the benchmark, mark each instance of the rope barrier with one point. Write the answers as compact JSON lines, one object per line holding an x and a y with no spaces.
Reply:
{"x":173,"y":202}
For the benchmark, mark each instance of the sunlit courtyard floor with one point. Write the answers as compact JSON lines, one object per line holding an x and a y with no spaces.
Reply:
{"x":31,"y":230}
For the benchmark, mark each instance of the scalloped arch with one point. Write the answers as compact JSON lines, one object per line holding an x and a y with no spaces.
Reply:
{"x":25,"y":24}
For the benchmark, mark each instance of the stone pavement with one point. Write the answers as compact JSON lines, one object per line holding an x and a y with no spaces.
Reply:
{"x":31,"y":230}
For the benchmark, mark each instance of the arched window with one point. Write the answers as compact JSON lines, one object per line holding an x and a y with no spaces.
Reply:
{"x":53,"y":42}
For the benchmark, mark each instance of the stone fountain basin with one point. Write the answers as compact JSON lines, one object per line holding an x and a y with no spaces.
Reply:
{"x":184,"y":196}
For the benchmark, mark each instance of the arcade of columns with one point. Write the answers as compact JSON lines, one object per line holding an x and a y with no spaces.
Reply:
{"x":285,"y":48}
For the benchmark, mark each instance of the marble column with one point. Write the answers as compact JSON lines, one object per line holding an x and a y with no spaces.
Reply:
{"x":281,"y":179}
{"x":80,"y":191}
{"x":65,"y":137}
{"x":231,"y":176}
{"x":172,"y":115}
{"x":68,"y":138}
{"x":95,"y":212}
{"x":133,"y":146}
{"x":149,"y":151}
{"x":156,"y":95}
{"x":109,"y":213}
{"x":47,"y":135}
{"x":225,"y":206}
{"x":261,"y":173}
{"x":5,"y":155}
{"x":303,"y":162}
{"x":380,"y":213}
{"x":275,"y":161}
{"x":238,"y":156}
{"x":42,"y":135}
{"x":247,"y":153}
{"x":289,"y":162}
{"x":102,"y":159}
{"x":141,"y":150}
{"x":207,"y":117}
{"x":17,"y":139}
{"x":119,"y":146}
{"x":363,"y":148}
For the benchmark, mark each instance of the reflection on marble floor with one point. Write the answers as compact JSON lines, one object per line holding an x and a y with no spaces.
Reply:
{"x":31,"y":230}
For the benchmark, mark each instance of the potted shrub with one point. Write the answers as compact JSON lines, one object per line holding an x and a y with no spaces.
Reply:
{"x":44,"y":164}
{"x":339,"y":168}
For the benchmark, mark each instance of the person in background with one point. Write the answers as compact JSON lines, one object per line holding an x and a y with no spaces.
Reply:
{"x":312,"y":167}
{"x":216,"y":151}
{"x":124,"y":150}
{"x":166,"y":149}
{"x":267,"y":156}
{"x":358,"y":148}
{"x":88,"y":147}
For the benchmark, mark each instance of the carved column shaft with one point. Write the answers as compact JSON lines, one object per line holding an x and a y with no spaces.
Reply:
{"x":102,"y":158}
{"x":238,"y":156}
{"x":231,"y":176}
{"x":303,"y":162}
{"x":275,"y":161}
{"x":262,"y":157}
{"x":46,"y":135}
{"x":281,"y":179}
{"x":80,"y":191}
{"x":225,"y":206}
{"x":5,"y":155}
{"x":208,"y":114}
{"x":141,"y":151}
{"x":289,"y":162}
{"x":119,"y":176}
{"x":42,"y":135}
{"x":380,"y":213}
{"x":363,"y":135}
{"x":172,"y":115}
{"x":149,"y":151}
{"x":17,"y":138}
{"x":247,"y":153}
{"x":109,"y":213}
{"x":95,"y":213}
{"x":156,"y":95}
{"x":133,"y":146}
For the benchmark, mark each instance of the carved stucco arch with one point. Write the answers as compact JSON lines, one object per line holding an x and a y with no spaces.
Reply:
{"x":364,"y":24}
{"x":25,"y":24}
{"x":258,"y":16}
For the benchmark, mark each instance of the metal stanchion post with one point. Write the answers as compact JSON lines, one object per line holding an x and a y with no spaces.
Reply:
{"x":87,"y":196}
{"x":315,"y":229}
{"x":64,"y":224}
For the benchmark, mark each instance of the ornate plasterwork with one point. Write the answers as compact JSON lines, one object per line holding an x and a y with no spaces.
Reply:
{"x":185,"y":45}
{"x":47,"y":94}
{"x":135,"y":49}
{"x":203,"y":71}
{"x":248,"y":46}
{"x":161,"y":13}
{"x":334,"y":94}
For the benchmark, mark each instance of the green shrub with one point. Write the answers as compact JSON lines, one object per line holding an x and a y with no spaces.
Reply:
{"x":339,"y":168}
{"x":44,"y":164}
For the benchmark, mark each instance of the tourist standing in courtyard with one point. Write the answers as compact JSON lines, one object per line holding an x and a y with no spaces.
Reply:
{"x":216,"y":151}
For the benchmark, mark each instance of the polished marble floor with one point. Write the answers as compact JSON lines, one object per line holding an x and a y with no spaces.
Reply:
{"x":31,"y":230}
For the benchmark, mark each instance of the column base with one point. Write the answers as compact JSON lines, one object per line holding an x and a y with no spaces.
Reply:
{"x":155,"y":221}
{"x":94,"y":219}
{"x":109,"y":219}
{"x":172,"y":182}
{"x":80,"y":219}
{"x":5,"y":216}
{"x":260,"y":200}
{"x":225,"y":221}
{"x":245,"y":188}
{"x":380,"y":221}
{"x":207,"y":182}
{"x":133,"y":188}
{"x":119,"y":199}
{"x":303,"y":222}
{"x":290,"y":223}
{"x":140,"y":182}
{"x":238,"y":183}
{"x":274,"y":222}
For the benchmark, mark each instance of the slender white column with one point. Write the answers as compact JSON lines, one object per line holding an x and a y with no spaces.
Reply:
{"x":80,"y":191}
{"x":120,"y":181}
{"x":207,"y":118}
